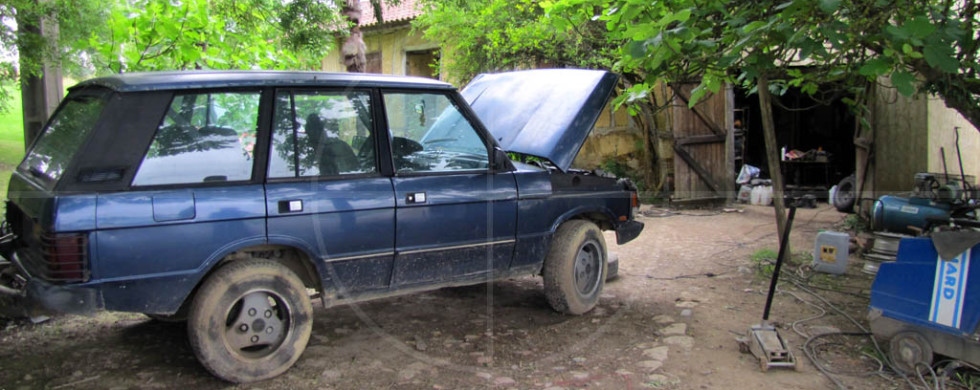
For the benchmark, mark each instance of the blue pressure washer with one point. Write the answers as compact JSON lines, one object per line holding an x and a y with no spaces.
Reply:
{"x":926,"y":302}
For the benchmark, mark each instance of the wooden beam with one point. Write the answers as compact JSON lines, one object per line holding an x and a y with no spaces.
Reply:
{"x":702,"y":173}
{"x":699,"y":113}
{"x":700,"y":139}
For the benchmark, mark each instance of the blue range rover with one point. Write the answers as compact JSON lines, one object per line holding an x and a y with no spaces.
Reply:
{"x":228,"y":199}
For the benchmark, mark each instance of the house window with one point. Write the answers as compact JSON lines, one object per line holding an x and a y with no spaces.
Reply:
{"x":420,"y":63}
{"x":373,"y":62}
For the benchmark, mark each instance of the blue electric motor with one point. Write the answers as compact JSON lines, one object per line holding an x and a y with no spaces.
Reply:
{"x":896,"y":214}
{"x":926,"y":304}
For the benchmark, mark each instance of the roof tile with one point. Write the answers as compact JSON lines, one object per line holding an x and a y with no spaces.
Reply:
{"x":404,"y":10}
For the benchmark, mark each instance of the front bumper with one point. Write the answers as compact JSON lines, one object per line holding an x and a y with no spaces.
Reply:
{"x":22,"y":295}
{"x":627,"y":231}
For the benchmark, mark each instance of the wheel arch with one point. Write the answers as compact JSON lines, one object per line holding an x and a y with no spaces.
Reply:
{"x":602,"y":217}
{"x":292,"y":256}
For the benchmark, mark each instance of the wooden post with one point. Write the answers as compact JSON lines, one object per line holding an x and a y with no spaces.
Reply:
{"x":772,"y":155}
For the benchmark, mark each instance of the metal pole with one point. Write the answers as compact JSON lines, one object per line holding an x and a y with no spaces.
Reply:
{"x":783,"y":244}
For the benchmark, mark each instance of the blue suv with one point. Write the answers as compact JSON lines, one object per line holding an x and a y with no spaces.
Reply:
{"x":228,"y":199}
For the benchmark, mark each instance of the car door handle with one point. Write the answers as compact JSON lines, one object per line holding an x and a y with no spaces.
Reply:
{"x":415,"y":198}
{"x":290,"y":206}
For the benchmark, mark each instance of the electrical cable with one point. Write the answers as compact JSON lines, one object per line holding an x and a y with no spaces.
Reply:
{"x":884,"y":361}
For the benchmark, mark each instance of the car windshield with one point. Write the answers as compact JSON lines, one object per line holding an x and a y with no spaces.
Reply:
{"x":61,"y":139}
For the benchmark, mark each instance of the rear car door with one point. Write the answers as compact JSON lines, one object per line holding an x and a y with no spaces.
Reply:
{"x":326,"y":191}
{"x":194,"y":196}
{"x":455,"y":216}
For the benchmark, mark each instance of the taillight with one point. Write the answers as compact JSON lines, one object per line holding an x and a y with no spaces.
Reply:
{"x":634,"y":203}
{"x":65,"y":257}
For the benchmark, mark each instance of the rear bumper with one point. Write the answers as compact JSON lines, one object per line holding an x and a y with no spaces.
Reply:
{"x":627,"y":231}
{"x":22,"y":295}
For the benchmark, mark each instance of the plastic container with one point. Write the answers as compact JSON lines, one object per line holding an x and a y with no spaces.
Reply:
{"x":745,"y":194}
{"x":830,"y":252}
{"x":755,"y":195}
{"x":766,"y":197}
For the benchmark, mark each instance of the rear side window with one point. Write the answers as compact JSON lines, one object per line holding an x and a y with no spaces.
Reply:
{"x":62,"y":138}
{"x":204,"y":137}
{"x":322,"y":133}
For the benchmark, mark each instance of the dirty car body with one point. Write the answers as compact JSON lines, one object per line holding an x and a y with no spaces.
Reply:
{"x":146,"y":191}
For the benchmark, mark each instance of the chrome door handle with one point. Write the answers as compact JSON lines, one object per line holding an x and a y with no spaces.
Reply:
{"x":415,"y":198}
{"x":290,"y":206}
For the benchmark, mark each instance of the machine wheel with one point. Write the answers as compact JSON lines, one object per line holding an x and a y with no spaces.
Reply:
{"x":251,"y":320}
{"x":909,"y":349}
{"x":575,"y":268}
{"x":845,"y":195}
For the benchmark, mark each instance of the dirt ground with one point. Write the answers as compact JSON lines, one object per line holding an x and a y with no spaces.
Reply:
{"x":687,"y":288}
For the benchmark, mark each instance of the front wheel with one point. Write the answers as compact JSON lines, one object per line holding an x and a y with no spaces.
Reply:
{"x":575,"y":268}
{"x":251,"y":320}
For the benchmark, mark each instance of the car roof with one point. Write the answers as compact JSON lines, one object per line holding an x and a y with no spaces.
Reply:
{"x":151,"y":81}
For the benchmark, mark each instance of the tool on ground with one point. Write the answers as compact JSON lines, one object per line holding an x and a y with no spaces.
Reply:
{"x":764,"y":341}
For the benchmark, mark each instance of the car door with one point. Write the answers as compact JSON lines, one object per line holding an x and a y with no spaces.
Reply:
{"x":193,"y":197}
{"x":455,"y":217}
{"x":326,"y":192}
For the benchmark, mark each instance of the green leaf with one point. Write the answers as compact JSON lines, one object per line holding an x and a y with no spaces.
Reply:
{"x":875,"y":67}
{"x":904,"y":81}
{"x":829,"y":6}
{"x":900,"y":34}
{"x":941,"y":57}
{"x":697,"y":94}
{"x":637,"y":49}
{"x":920,"y":27}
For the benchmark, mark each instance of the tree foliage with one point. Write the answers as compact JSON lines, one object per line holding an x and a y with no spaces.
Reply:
{"x":222,"y":34}
{"x":492,"y":35}
{"x":75,"y":19}
{"x":919,"y":46}
{"x":111,"y":36}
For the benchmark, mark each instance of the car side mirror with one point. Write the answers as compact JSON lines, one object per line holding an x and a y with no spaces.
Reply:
{"x":501,"y":162}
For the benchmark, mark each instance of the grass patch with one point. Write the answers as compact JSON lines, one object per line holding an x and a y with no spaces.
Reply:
{"x":11,"y":138}
{"x":764,"y":261}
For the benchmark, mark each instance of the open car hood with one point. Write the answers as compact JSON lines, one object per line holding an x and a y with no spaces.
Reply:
{"x":545,"y":113}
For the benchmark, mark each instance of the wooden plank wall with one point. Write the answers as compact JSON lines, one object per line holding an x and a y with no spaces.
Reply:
{"x":717,"y":158}
{"x":901,"y":140}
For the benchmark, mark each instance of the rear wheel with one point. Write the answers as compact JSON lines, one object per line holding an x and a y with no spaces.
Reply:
{"x":250,"y":321}
{"x":575,"y":268}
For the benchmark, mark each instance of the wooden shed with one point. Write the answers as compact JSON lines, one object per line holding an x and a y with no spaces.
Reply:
{"x":908,"y":136}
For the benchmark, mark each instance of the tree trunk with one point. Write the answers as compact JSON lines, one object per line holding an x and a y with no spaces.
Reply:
{"x":41,"y":86}
{"x":354,"y":50}
{"x":772,"y":155}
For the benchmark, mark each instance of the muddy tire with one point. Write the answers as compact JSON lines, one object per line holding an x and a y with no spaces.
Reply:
{"x":250,"y":321}
{"x":575,"y":268}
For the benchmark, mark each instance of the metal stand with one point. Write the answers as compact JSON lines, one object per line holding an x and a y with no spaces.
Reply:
{"x":765,"y":342}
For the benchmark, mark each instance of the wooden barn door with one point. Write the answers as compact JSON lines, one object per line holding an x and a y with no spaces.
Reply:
{"x":703,"y":138}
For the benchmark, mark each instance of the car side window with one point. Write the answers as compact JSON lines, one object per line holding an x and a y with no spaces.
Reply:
{"x":430,"y":134}
{"x":322,"y":133}
{"x":204,"y":137}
